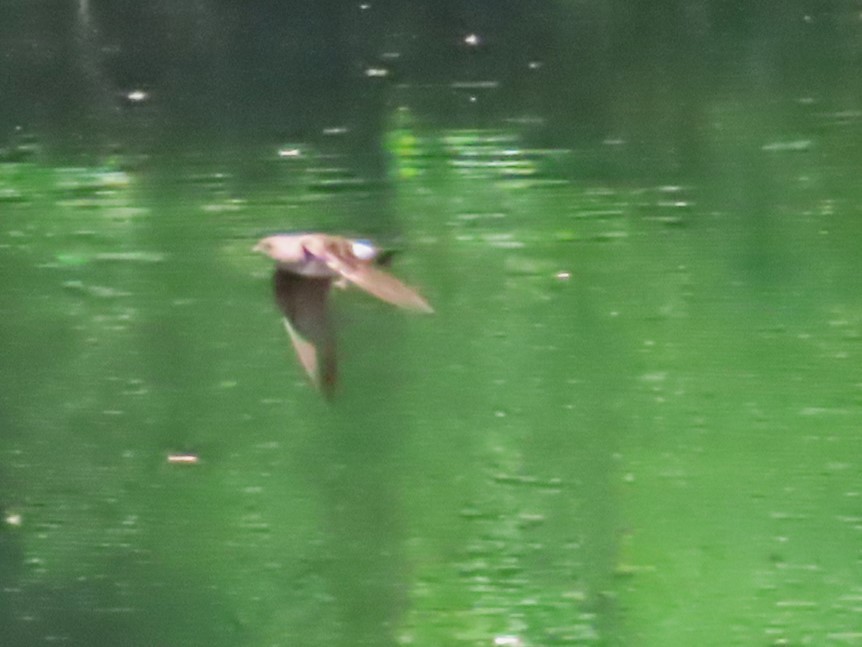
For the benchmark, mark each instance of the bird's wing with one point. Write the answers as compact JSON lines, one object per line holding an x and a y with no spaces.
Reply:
{"x":386,"y":287}
{"x":305,"y":350}
{"x":337,"y":253}
{"x":304,"y":302}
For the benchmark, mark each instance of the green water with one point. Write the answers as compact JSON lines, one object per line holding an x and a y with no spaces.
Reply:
{"x":634,"y":418}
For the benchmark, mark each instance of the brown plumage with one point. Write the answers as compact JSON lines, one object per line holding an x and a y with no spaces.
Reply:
{"x":306,"y":267}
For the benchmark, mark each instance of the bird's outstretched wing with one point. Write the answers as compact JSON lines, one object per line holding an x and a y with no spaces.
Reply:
{"x":304,"y":303}
{"x":378,"y":283}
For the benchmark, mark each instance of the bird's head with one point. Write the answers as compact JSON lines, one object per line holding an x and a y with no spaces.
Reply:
{"x":282,"y":247}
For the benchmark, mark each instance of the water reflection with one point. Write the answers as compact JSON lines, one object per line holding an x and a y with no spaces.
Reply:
{"x":604,"y":362}
{"x":634,"y":418}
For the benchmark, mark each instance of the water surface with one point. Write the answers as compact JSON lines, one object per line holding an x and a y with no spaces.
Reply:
{"x":633,"y":418}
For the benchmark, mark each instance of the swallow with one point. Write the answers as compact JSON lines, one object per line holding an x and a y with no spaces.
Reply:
{"x":306,"y":268}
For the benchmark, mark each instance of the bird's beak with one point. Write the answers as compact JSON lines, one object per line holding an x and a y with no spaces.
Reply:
{"x":257,"y":248}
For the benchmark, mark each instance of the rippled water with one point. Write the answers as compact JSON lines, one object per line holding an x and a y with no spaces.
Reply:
{"x":632,"y":419}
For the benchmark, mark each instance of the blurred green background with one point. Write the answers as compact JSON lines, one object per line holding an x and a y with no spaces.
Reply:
{"x":633,"y":420}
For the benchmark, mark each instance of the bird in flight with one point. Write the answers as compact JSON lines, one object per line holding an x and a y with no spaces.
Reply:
{"x":306,"y":267}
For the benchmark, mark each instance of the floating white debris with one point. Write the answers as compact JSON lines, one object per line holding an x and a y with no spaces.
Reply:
{"x":474,"y":85}
{"x":183,"y":459}
{"x":508,"y":640}
{"x":785,"y":146}
{"x":140,"y":257}
{"x":137,"y":96}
